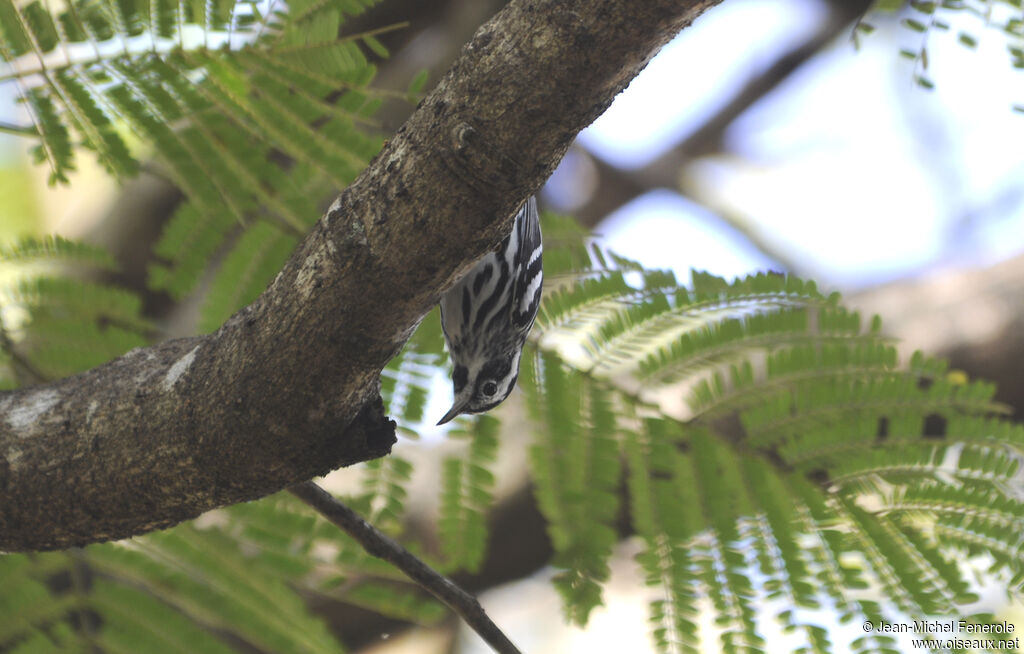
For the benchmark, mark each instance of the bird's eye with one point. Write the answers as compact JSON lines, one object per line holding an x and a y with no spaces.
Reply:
{"x":489,"y":388}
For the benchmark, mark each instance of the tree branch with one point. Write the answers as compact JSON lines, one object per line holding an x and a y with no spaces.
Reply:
{"x":287,"y":388}
{"x":382,"y":547}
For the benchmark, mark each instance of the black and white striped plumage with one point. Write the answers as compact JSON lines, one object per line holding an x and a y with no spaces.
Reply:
{"x":487,"y":315}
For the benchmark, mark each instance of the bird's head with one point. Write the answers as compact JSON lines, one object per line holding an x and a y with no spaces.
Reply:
{"x":482,"y":384}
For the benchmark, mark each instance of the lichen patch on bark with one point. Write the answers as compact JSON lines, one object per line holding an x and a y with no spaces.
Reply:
{"x":23,"y":416}
{"x":179,"y":368}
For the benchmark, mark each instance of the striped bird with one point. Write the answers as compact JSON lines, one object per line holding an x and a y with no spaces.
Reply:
{"x":487,"y":315}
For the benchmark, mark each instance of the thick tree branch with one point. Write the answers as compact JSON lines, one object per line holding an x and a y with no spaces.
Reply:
{"x":287,"y":389}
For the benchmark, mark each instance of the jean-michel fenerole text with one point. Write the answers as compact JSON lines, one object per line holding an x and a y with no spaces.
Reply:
{"x":948,"y":627}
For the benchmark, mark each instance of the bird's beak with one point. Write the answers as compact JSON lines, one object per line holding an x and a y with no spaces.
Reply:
{"x":461,"y":402}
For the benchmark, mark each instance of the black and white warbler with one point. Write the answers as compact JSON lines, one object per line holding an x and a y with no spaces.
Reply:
{"x":487,"y":315}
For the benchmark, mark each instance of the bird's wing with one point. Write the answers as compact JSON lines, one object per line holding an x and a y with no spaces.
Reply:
{"x":529,"y":277}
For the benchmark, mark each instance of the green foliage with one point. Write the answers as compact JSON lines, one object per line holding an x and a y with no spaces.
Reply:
{"x":257,"y":122}
{"x":407,"y":378}
{"x":202,"y":574}
{"x":577,"y":473}
{"x":757,"y":419}
{"x":467,"y":487}
{"x":925,"y":21}
{"x":27,"y":597}
{"x":54,"y":249}
{"x":755,"y":435}
{"x":766,"y":446}
{"x":663,"y":515}
{"x":258,"y":255}
{"x":56,"y":324}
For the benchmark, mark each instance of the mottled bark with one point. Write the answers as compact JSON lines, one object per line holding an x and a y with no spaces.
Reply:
{"x":288,"y":388}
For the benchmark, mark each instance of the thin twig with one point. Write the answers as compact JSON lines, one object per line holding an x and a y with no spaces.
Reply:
{"x":382,"y":547}
{"x":18,"y":130}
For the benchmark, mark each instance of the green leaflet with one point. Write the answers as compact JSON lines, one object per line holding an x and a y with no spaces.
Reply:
{"x":280,"y":536}
{"x":41,"y":25}
{"x":54,"y":249}
{"x":407,"y":379}
{"x":84,"y":112}
{"x":928,"y":22}
{"x":276,"y":533}
{"x":68,"y":324}
{"x":13,"y":29}
{"x":662,"y":501}
{"x":576,"y":472}
{"x":70,"y":298}
{"x":467,"y":488}
{"x":189,"y":241}
{"x":32,"y":618}
{"x":57,"y":639}
{"x":256,"y":257}
{"x":569,"y":302}
{"x":398,"y":602}
{"x":132,"y":617}
{"x":385,"y":483}
{"x":723,"y":567}
{"x":55,"y":147}
{"x":201,"y":573}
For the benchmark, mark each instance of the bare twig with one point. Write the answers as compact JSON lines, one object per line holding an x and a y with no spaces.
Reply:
{"x":379,"y":545}
{"x":18,"y":130}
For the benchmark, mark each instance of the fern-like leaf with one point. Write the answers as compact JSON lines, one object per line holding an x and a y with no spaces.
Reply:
{"x":577,"y":475}
{"x":791,"y":399}
{"x":467,"y":488}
